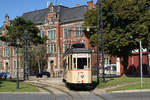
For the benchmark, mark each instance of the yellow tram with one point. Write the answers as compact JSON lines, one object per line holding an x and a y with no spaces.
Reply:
{"x":77,"y":65}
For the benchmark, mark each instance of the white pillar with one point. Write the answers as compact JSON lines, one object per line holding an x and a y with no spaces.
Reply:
{"x":149,"y":64}
{"x":118,"y":65}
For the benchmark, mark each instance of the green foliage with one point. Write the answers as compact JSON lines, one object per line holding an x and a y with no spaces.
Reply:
{"x":123,"y":83}
{"x":15,"y":32}
{"x":10,"y":86}
{"x":37,"y":59}
{"x":125,"y":22}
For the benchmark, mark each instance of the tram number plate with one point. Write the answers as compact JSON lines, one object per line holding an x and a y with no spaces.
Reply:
{"x":81,"y":55}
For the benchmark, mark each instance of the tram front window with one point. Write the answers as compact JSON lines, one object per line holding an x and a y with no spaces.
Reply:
{"x":82,"y":63}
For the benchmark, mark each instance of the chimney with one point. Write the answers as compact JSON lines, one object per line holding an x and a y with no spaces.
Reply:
{"x":95,"y":5}
{"x":77,"y":5}
{"x":6,"y":17}
{"x":90,"y":4}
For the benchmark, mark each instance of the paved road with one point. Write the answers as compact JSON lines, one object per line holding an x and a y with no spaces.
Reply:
{"x":55,"y":89}
{"x":83,"y":96}
{"x":26,"y":96}
{"x":127,"y":96}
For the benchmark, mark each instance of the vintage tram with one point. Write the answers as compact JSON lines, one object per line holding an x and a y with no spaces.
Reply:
{"x":77,"y":65}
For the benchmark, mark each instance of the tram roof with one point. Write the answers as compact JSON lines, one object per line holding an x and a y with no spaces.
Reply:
{"x":77,"y":50}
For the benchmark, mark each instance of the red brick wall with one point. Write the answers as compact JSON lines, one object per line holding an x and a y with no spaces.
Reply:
{"x":133,"y":64}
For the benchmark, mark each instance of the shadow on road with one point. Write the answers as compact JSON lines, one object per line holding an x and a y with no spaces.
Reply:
{"x":82,"y":87}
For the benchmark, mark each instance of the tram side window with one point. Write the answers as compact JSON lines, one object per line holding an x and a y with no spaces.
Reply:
{"x":74,"y":63}
{"x":71,"y":62}
{"x":89,"y":62}
{"x":68,"y":64}
{"x":65,"y":64}
{"x":82,"y":63}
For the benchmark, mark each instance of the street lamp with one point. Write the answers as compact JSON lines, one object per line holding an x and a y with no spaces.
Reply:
{"x":98,"y":56}
{"x":102,"y":43}
{"x":141,"y":70}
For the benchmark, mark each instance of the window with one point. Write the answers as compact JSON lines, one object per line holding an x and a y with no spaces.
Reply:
{"x":54,"y":34}
{"x":71,"y":62}
{"x":54,"y":45}
{"x":106,"y":60}
{"x":81,"y":63}
{"x":48,"y":33}
{"x":42,"y":33}
{"x":0,"y":52}
{"x":15,"y":64}
{"x":0,"y":43}
{"x":15,"y":52}
{"x":51,"y":48}
{"x":65,"y":64}
{"x":0,"y":65}
{"x":51,"y":34}
{"x":6,"y":52}
{"x":65,"y":47}
{"x":89,"y":63}
{"x":78,"y":31}
{"x":51,"y":20}
{"x":67,"y":32}
{"x":114,"y":68}
{"x":74,"y":63}
{"x":5,"y":43}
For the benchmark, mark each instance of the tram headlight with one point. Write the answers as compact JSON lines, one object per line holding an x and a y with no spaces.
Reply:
{"x":82,"y":76}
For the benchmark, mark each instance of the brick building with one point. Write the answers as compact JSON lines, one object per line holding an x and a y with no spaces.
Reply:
{"x":8,"y":54}
{"x":63,"y":27}
{"x":133,"y":67}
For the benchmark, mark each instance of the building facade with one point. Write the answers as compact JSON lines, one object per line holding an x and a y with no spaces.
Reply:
{"x":8,"y":54}
{"x":63,"y":26}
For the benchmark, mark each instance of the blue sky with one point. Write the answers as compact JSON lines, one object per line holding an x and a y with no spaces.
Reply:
{"x":16,"y":8}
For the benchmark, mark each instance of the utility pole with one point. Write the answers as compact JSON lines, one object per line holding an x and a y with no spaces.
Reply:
{"x":98,"y":56}
{"x":25,"y":55}
{"x":17,"y":64}
{"x":141,"y":70}
{"x":102,"y":43}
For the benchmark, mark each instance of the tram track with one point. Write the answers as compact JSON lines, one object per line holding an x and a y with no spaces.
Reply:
{"x":77,"y":93}
{"x":52,"y":88}
{"x":43,"y":86}
{"x":61,"y":88}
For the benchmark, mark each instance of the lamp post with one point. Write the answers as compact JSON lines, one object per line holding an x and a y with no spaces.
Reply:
{"x":102,"y":43}
{"x":141,"y":70}
{"x":98,"y":56}
{"x":99,"y":6}
{"x":26,"y":69}
{"x":17,"y":64}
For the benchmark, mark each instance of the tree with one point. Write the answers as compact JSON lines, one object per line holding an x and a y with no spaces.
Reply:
{"x":37,"y":58}
{"x":126,"y":22}
{"x":15,"y":32}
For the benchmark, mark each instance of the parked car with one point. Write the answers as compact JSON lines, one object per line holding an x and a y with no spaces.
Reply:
{"x":40,"y":75}
{"x":3,"y":75}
